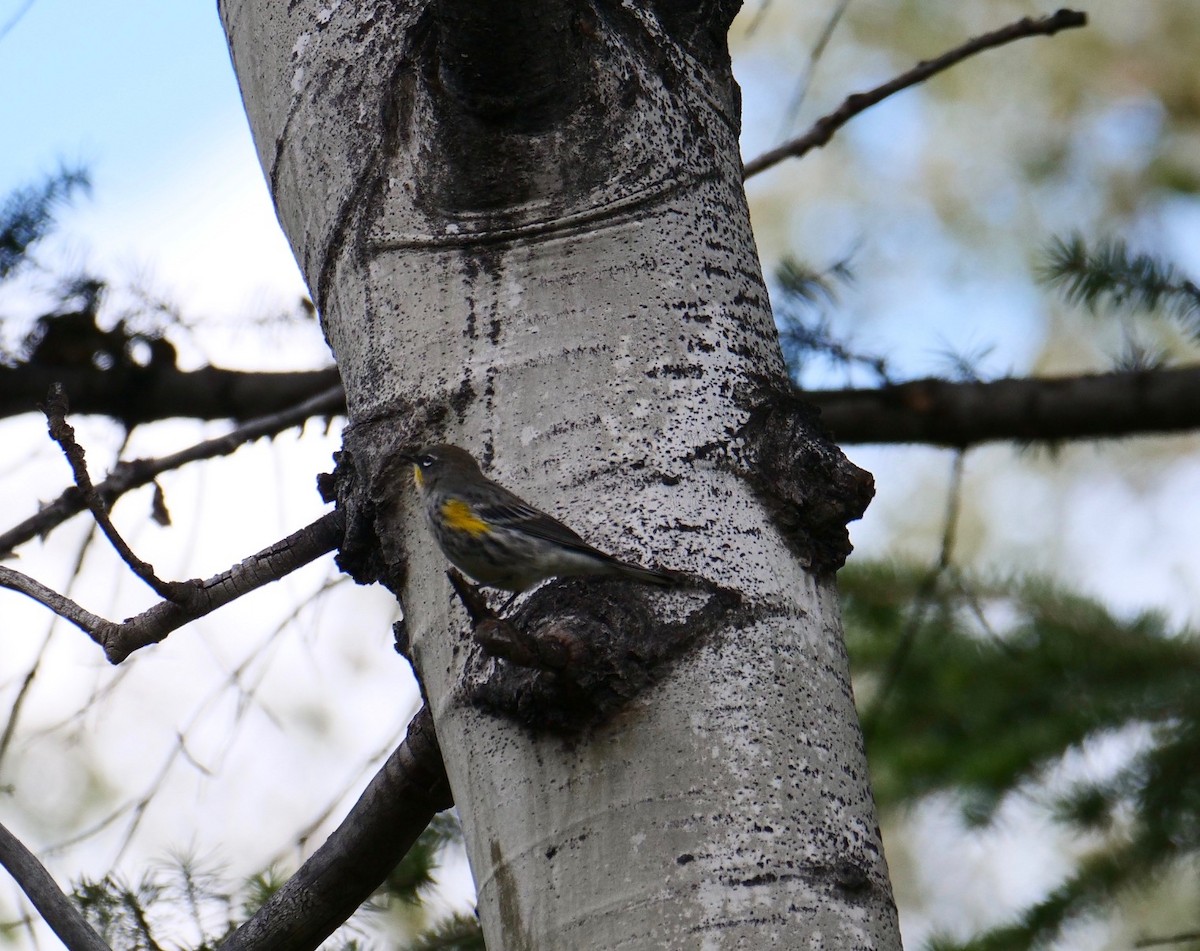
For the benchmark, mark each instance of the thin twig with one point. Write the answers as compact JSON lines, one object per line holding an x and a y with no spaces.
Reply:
{"x":1169,"y":939}
{"x":61,"y":605}
{"x":304,"y":835}
{"x":758,"y":17}
{"x":135,"y":473}
{"x":803,"y":84}
{"x":63,"y":433}
{"x":154,"y":624}
{"x":478,"y":610}
{"x":923,"y":598}
{"x":823,"y":129}
{"x":55,"y":907}
{"x":16,"y":18}
{"x":18,"y":704}
{"x":159,"y":781}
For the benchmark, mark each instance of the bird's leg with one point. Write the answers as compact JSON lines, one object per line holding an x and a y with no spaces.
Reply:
{"x":475,"y":603}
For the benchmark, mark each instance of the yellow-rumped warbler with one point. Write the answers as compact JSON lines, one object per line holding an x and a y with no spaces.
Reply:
{"x":501,"y":541}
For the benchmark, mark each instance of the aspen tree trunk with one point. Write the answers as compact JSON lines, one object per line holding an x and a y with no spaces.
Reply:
{"x":524,"y":226}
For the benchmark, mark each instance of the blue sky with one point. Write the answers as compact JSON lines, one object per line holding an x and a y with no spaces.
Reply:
{"x":142,"y":93}
{"x":119,"y":85}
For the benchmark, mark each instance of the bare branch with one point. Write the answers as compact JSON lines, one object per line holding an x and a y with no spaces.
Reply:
{"x":143,"y":394}
{"x":64,"y":434}
{"x":824,"y":128}
{"x":815,"y":54}
{"x":959,"y":415}
{"x":60,"y":604}
{"x":1168,"y":939}
{"x":153,"y":625}
{"x":133,"y":474}
{"x":270,"y":564}
{"x":18,"y":704}
{"x":407,"y":792}
{"x":923,"y":599}
{"x":55,"y":908}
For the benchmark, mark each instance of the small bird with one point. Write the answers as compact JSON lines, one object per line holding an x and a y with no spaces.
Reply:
{"x":501,"y":541}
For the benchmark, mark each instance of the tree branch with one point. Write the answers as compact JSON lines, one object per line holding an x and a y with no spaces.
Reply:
{"x":407,"y":792}
{"x":154,"y":624}
{"x":60,"y":604}
{"x":142,"y":395}
{"x":63,"y":433}
{"x":824,"y":128}
{"x":1180,"y":938}
{"x":56,"y":909}
{"x":133,"y":474}
{"x":959,"y":415}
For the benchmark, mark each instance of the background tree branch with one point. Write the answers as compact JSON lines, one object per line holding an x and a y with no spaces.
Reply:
{"x":63,"y":433}
{"x":824,"y":128}
{"x":931,"y":411}
{"x":399,"y":802}
{"x":941,"y":413}
{"x":41,"y":889}
{"x":145,"y":394}
{"x":135,"y":473}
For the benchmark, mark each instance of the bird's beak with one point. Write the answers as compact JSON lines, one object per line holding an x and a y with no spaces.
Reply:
{"x":409,"y":458}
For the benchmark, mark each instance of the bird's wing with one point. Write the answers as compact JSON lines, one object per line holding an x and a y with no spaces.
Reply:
{"x":514,"y":513}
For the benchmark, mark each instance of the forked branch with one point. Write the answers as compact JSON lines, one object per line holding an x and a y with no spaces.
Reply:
{"x":182,"y":601}
{"x":63,"y":433}
{"x":204,"y":597}
{"x":132,"y":474}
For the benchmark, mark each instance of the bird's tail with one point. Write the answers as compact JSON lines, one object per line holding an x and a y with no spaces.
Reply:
{"x":662,"y":579}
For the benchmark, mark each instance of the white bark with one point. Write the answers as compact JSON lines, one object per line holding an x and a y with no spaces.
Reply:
{"x":600,"y":337}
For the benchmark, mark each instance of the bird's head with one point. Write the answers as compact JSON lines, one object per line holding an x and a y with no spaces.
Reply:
{"x":432,"y":464}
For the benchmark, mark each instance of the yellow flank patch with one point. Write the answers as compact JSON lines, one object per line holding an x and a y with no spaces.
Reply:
{"x":458,"y":516}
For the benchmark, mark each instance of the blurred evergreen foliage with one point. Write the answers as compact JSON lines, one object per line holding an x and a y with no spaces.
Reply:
{"x":181,"y":895}
{"x":1000,"y":683}
{"x":415,"y":873}
{"x":456,"y":933}
{"x":1108,"y":272}
{"x":28,"y":215}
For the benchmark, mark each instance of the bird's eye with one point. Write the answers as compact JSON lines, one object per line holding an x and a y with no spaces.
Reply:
{"x":425,"y":461}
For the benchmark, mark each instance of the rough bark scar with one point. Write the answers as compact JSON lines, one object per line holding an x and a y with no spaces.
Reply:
{"x":804,"y":480}
{"x":370,"y":480}
{"x":577,"y":651}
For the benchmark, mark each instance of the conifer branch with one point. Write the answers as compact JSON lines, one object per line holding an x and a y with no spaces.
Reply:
{"x":1109,"y":273}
